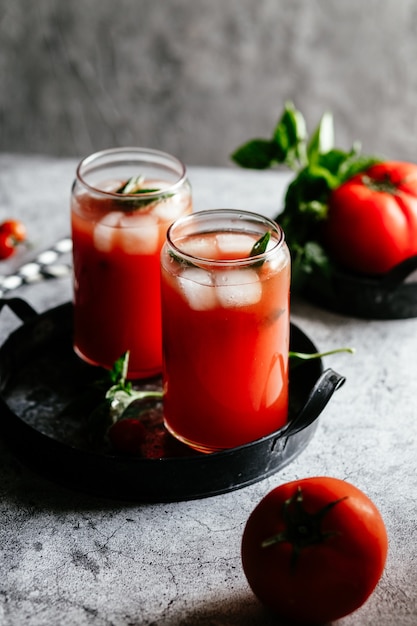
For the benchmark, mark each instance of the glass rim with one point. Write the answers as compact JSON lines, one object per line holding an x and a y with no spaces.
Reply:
{"x":250,"y":216}
{"x":134,"y":150}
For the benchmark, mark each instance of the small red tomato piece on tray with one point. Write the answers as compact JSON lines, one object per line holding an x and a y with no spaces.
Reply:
{"x":127,"y":435}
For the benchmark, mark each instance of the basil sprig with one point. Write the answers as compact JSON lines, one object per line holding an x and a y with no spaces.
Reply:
{"x":120,"y":393}
{"x":319,"y":168}
{"x":259,"y":247}
{"x":114,"y":394}
{"x":134,"y":186}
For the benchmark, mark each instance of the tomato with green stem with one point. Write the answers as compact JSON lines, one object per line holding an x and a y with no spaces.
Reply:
{"x":313,"y":550}
{"x":320,"y":168}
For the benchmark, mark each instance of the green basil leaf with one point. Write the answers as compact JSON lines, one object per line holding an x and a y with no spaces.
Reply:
{"x":307,"y":259}
{"x":118,"y":373}
{"x":290,"y":135}
{"x":356,"y":165}
{"x":134,"y":187}
{"x":129,"y":204}
{"x":256,"y":154}
{"x":131,"y":185}
{"x":319,"y":169}
{"x":260,"y":246}
{"x":181,"y":260}
{"x":311,"y":184}
{"x":319,"y":172}
{"x":322,"y":140}
{"x":315,"y":255}
{"x":314,"y":208}
{"x":292,"y":125}
{"x":333,"y":161}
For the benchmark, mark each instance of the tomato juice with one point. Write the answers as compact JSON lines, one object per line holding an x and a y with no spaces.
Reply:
{"x":117,"y":239}
{"x":225,"y":334}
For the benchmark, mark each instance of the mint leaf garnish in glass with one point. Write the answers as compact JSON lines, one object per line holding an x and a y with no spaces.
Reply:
{"x":259,"y":247}
{"x":135,"y":187}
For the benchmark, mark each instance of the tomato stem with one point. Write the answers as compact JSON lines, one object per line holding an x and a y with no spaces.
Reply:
{"x":381,"y":185}
{"x":302,"y":529}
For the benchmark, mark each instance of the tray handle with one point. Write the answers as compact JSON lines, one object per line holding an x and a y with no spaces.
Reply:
{"x":319,"y":396}
{"x":20,"y":308}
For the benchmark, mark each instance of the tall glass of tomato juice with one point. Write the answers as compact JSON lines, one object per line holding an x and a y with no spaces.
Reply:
{"x":225,"y":320}
{"x":122,"y":203}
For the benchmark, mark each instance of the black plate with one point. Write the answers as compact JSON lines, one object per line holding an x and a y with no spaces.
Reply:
{"x":40,"y":376}
{"x":391,"y":296}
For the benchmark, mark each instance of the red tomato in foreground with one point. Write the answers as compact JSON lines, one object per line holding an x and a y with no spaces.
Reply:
{"x":326,"y":547}
{"x":372,"y":219}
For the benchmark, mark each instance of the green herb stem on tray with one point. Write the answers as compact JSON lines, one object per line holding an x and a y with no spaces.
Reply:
{"x":121,"y":394}
{"x":108,"y":400}
{"x":298,"y":358}
{"x":318,"y":168}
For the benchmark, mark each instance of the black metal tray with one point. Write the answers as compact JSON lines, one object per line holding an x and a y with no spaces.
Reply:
{"x":391,"y":296}
{"x":40,"y":375}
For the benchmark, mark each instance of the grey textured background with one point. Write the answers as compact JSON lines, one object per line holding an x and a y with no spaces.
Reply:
{"x":197,"y":78}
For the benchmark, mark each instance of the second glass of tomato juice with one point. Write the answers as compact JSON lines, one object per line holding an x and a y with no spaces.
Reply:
{"x":225,"y":319}
{"x":122,"y":203}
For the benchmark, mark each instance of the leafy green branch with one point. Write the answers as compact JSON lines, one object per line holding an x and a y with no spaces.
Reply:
{"x":121,"y":394}
{"x":319,"y":168}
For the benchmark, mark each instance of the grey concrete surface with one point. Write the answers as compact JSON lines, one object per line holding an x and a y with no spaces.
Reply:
{"x":69,"y":559}
{"x":197,"y":78}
